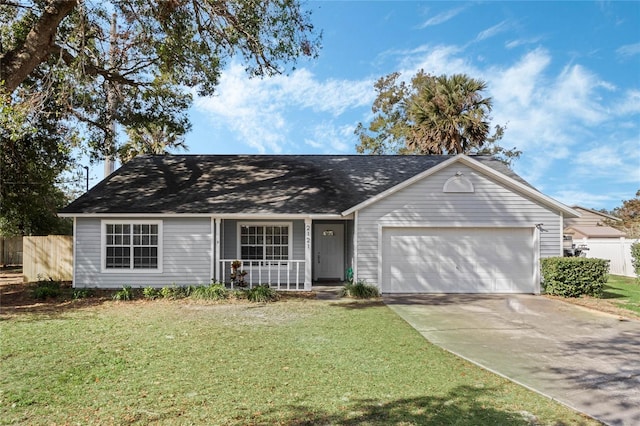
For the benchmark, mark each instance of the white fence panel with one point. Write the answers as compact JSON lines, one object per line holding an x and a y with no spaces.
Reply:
{"x":617,"y":250}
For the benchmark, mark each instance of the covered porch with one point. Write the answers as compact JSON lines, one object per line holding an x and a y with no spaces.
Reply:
{"x":287,"y":253}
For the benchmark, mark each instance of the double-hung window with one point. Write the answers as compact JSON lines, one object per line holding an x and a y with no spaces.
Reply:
{"x":269,"y":242}
{"x":132,"y":246}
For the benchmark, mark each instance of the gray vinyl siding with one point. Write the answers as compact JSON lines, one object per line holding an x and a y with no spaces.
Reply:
{"x":424,"y":204}
{"x":186,"y":260}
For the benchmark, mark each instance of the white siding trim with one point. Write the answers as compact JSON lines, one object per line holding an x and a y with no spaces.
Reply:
{"x":474,"y":164}
{"x":75,"y":245}
{"x":536,"y":258}
{"x":238,"y":216}
{"x":355,"y":247}
{"x":400,"y":186}
{"x":217,"y":247}
{"x":380,"y":259}
{"x":103,"y":248}
{"x":308,"y":255}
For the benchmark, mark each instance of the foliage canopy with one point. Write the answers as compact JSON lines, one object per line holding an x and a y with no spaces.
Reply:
{"x":71,"y":71}
{"x":431,"y":115}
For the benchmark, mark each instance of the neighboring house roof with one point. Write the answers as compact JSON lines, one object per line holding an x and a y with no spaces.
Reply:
{"x":601,"y":214}
{"x":594,"y":231}
{"x":261,"y":184}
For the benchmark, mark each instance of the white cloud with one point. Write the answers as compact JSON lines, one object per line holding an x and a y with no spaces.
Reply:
{"x":628,"y":50}
{"x":435,"y":60}
{"x":494,"y":31}
{"x":255,"y":109}
{"x":617,"y":161}
{"x":585,"y":199}
{"x":443,"y":17}
{"x":521,"y":42}
{"x":331,"y":139}
{"x":575,"y":94}
{"x":519,"y":82}
{"x":630,"y":104}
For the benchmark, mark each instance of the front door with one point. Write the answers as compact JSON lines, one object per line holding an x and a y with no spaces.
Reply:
{"x":328,"y":253}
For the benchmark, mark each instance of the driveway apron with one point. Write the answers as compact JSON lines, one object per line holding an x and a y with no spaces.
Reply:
{"x":585,"y":359}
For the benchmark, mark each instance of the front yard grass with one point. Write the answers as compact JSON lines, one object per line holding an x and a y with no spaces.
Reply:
{"x":295,"y":362}
{"x":624,"y":292}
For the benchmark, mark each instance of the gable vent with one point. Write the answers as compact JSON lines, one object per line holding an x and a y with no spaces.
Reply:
{"x":458,"y":183}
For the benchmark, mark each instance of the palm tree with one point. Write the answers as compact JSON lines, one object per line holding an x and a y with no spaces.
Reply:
{"x":448,"y":115}
{"x":151,"y":138}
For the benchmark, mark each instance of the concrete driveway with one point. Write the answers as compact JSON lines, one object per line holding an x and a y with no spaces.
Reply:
{"x":587,"y":360}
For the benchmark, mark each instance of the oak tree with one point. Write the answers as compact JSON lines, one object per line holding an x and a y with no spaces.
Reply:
{"x":90,"y":68}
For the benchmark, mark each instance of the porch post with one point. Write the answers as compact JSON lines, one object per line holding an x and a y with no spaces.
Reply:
{"x":308,"y":255}
{"x":217,"y":249}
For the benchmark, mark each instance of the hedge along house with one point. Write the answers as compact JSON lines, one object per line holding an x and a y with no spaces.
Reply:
{"x":407,"y":224}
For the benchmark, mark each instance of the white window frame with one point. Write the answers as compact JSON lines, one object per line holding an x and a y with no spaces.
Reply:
{"x":289,"y":225}
{"x":131,"y":269}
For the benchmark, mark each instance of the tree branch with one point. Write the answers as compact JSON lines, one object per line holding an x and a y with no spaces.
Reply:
{"x":91,"y":69}
{"x":18,"y":63}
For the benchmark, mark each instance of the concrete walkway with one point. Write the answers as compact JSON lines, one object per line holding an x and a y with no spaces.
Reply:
{"x":587,"y":360}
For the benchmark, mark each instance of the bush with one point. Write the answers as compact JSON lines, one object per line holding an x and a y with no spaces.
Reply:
{"x":46,"y":288}
{"x":360,"y":290}
{"x":635,"y":258}
{"x":214,"y":291}
{"x":150,"y":293}
{"x":173,"y":292}
{"x":574,"y":276}
{"x":262,"y":293}
{"x":125,"y":294}
{"x":82,"y":293}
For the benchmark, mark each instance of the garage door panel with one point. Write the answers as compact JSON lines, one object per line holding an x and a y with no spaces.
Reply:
{"x":457,"y":260}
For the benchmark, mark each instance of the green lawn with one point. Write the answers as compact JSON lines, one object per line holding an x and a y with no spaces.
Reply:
{"x":623,"y":291}
{"x":294,"y":362}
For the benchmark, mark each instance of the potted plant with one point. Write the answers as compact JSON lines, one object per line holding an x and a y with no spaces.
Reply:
{"x":237,"y":275}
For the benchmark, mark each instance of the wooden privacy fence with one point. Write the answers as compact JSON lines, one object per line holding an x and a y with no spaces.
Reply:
{"x":10,"y":251}
{"x":47,"y":257}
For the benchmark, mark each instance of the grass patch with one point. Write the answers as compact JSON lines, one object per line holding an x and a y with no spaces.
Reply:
{"x":623,"y":291}
{"x":295,"y":362}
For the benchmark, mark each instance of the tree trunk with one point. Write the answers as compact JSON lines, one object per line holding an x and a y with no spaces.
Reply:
{"x":17,"y":64}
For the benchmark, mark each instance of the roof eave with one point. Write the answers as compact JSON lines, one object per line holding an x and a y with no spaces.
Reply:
{"x":474,"y":164}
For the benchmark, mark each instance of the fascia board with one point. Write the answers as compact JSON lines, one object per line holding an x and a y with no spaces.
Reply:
{"x":400,"y":186}
{"x":222,"y":215}
{"x":476,"y":165}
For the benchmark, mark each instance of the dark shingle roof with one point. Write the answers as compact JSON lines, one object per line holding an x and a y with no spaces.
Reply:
{"x":288,"y":184}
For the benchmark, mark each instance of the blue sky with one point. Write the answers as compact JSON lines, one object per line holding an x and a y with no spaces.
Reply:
{"x":564,"y":78}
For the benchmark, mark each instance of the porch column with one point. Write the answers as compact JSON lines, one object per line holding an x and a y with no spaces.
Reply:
{"x":308,"y":255}
{"x":217,"y":249}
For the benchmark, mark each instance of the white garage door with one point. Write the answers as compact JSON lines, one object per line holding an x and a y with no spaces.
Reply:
{"x":457,"y":260}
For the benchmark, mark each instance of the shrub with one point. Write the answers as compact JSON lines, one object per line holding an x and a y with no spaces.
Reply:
{"x":150,"y":293}
{"x":125,"y":294}
{"x":635,"y":258}
{"x":262,"y":293}
{"x":238,"y":294}
{"x":173,"y":292}
{"x":574,"y":276}
{"x":82,"y":293}
{"x":214,"y":291}
{"x":46,"y":288}
{"x":360,"y":290}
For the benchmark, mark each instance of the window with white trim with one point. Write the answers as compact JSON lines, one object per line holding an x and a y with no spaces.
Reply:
{"x":132,"y":245}
{"x":264,"y":241}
